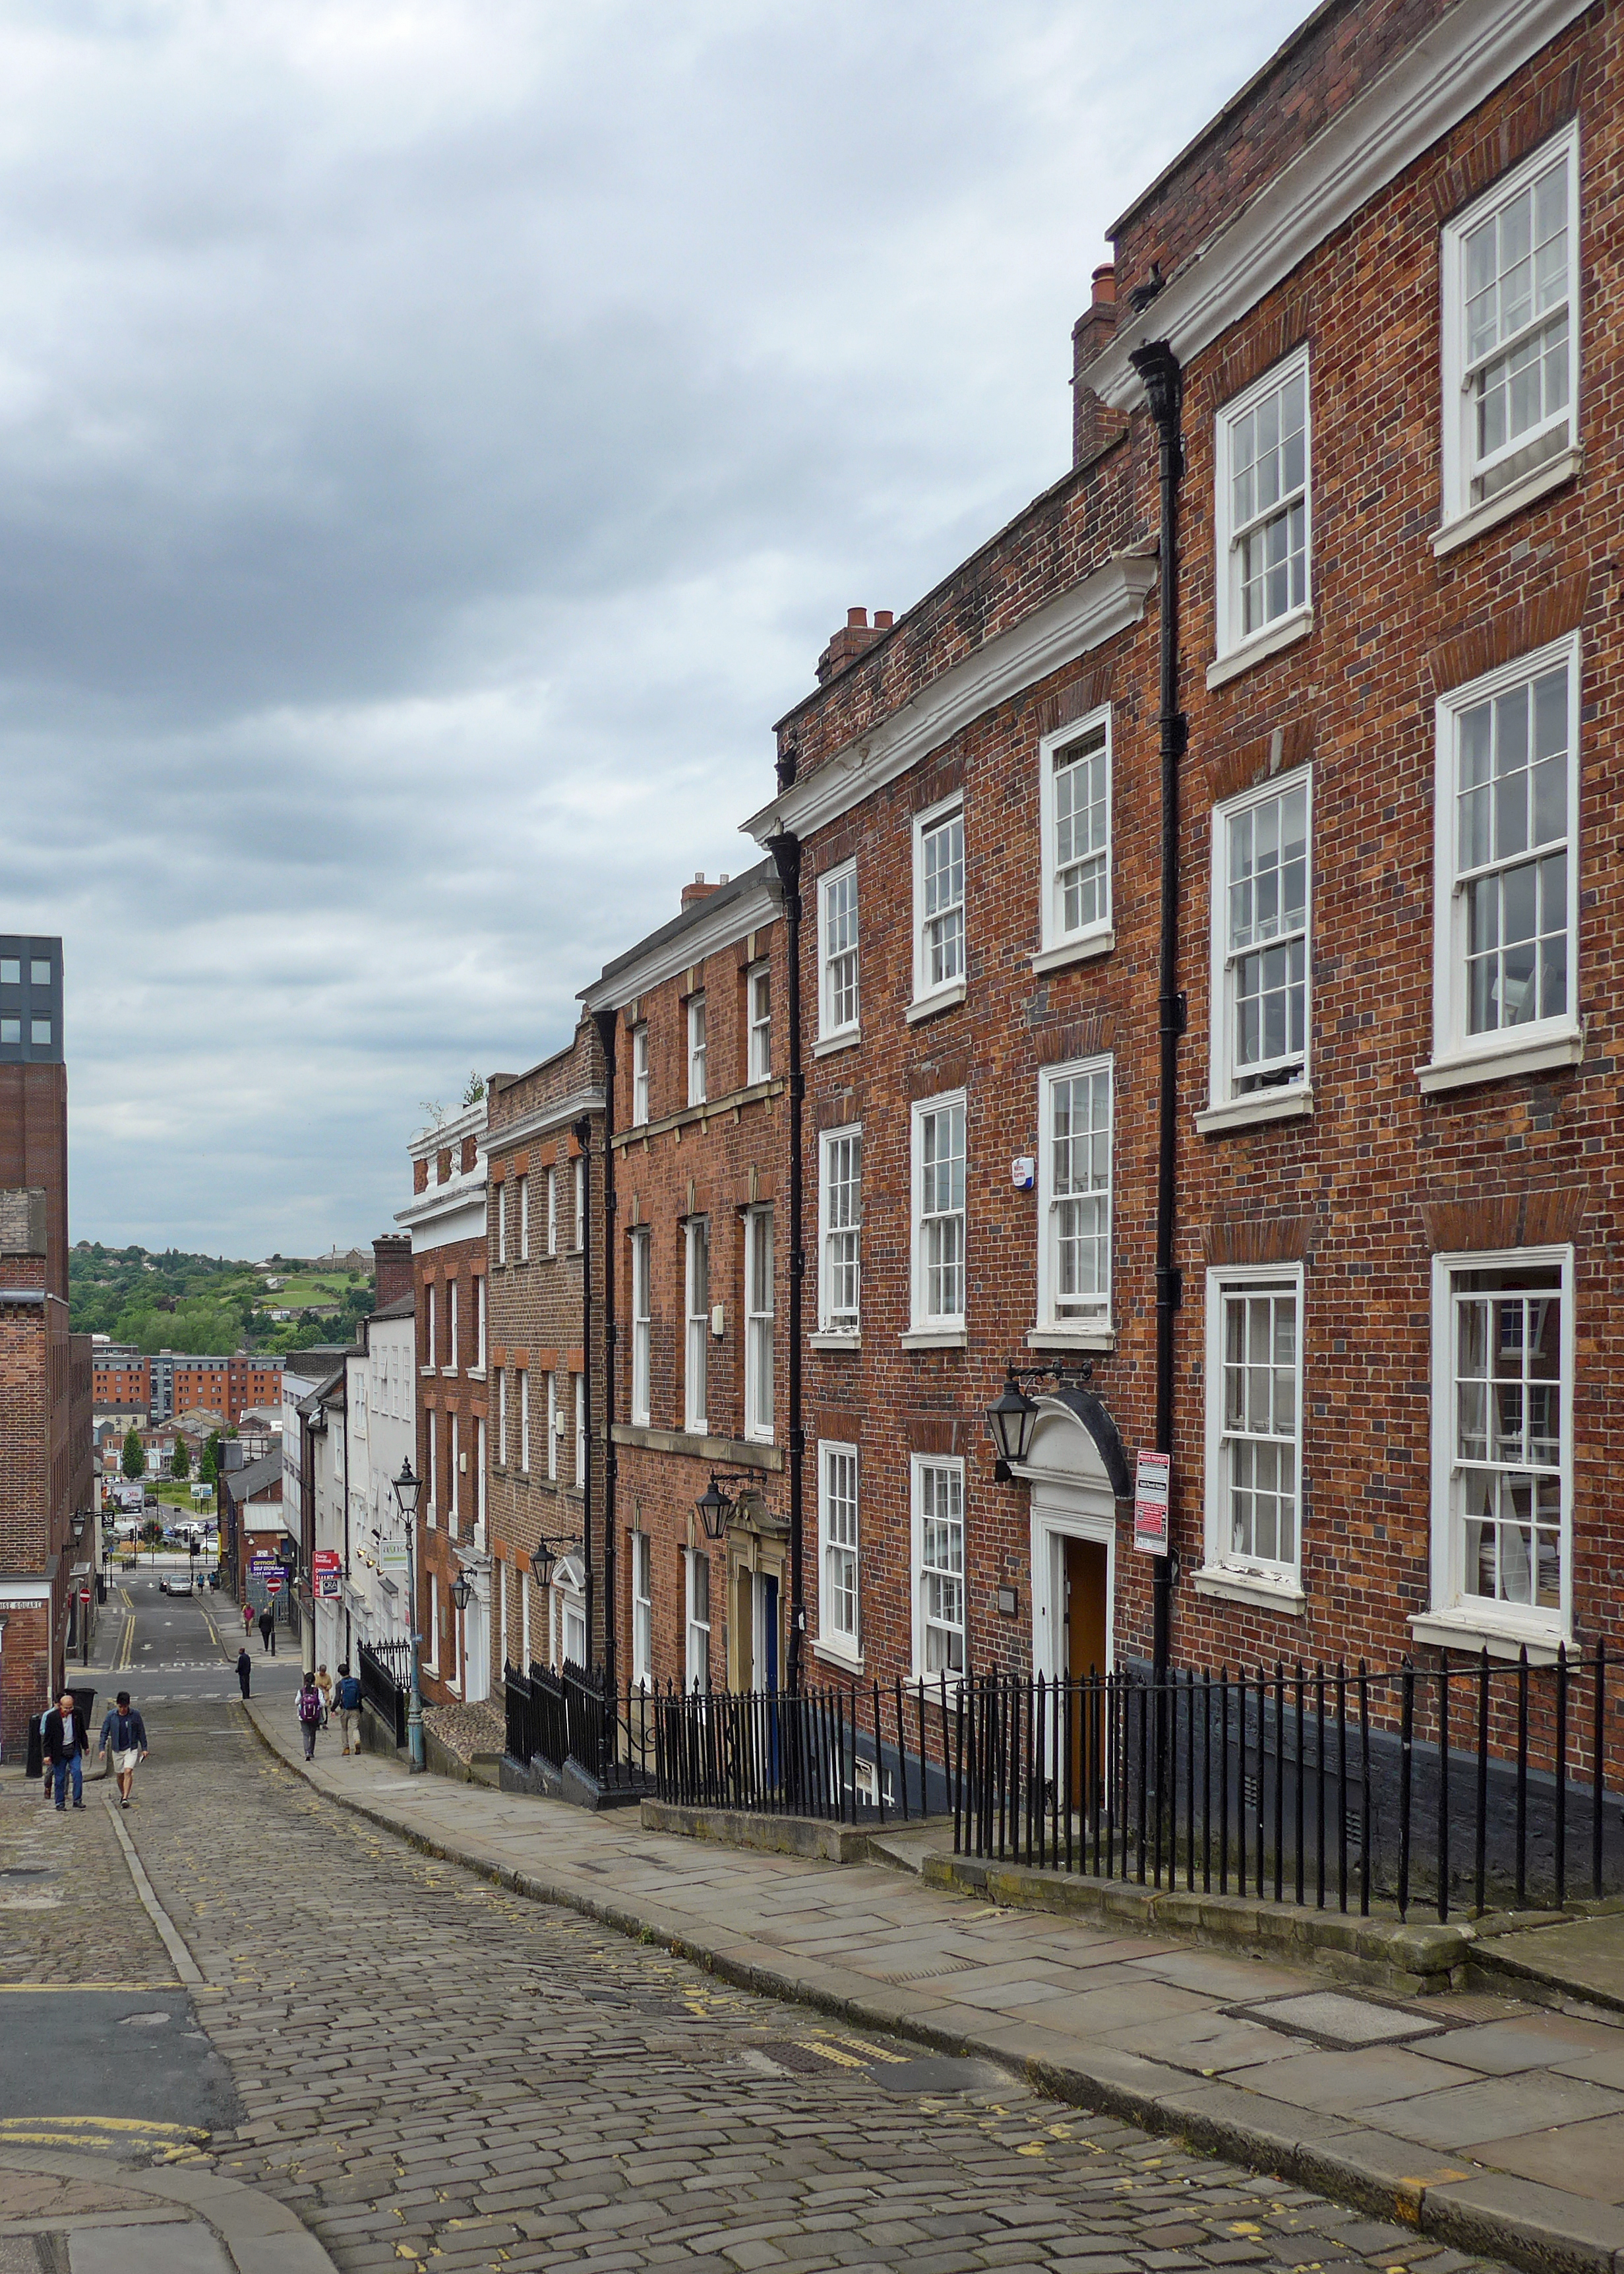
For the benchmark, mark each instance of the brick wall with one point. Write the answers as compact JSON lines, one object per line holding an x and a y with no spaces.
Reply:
{"x":717,"y":1162}
{"x":540,"y":1331}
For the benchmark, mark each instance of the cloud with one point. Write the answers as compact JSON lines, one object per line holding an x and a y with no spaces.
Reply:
{"x":435,"y":441}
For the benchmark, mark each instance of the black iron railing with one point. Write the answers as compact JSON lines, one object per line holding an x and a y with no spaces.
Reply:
{"x":557,"y":1716}
{"x":1443,"y":1786}
{"x":846,"y":1752}
{"x":385,"y":1683}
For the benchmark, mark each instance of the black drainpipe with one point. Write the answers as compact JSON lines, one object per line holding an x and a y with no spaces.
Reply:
{"x":604,"y":1021}
{"x":1158,"y":367}
{"x":785,"y":851}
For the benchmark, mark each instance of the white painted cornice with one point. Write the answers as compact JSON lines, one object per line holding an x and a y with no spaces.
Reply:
{"x":1106,"y":602}
{"x":1441,"y":77}
{"x":543,"y":1119}
{"x":707,"y":933}
{"x":469,"y":1122}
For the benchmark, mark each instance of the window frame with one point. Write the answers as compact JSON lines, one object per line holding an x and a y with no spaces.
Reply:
{"x":501,"y":1222}
{"x":829,"y":1027}
{"x":1051,"y":1319}
{"x":832,"y":1639}
{"x":1459,"y":467}
{"x":525,"y":1420}
{"x":948,"y":1464}
{"x":1271,"y":1577}
{"x":759,"y":1414}
{"x":1549,"y":1041}
{"x":523,"y":1184}
{"x":758,"y":1055}
{"x":643,"y":1326}
{"x":1052,"y":934}
{"x":697,"y":1329}
{"x":1487,"y":1615}
{"x":923,"y":1321}
{"x":695,"y":1623}
{"x":553,"y":1422}
{"x":640,"y":1074}
{"x":927,"y":824}
{"x":828,"y":1323}
{"x":642,"y":1610}
{"x":502,"y":1417}
{"x":552,"y":1210}
{"x":1229,"y":636}
{"x":578,"y":1228}
{"x":1222,"y":1070}
{"x":697,"y":1026}
{"x":580,"y":1449}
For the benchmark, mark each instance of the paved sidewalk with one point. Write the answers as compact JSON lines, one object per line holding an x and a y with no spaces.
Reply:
{"x":1497,"y":2126}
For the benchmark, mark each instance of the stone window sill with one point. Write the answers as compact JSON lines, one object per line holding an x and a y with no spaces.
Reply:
{"x":935,"y":1339}
{"x":1289,"y":1105}
{"x":944,"y":998}
{"x":1072,"y":1338}
{"x":1532,"y":1056}
{"x":1478,"y":519}
{"x":826,"y":1045}
{"x":1077,"y":950}
{"x":1462,"y":1629}
{"x":1250,"y":1587}
{"x":1284,"y":633}
{"x":833,"y":1654}
{"x":838,"y":1343}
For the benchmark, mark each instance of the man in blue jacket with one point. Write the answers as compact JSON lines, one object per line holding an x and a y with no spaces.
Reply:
{"x":349,"y":1708}
{"x":124,"y":1735}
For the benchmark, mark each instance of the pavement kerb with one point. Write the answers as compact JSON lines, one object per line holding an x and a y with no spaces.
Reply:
{"x":262,"y":2235}
{"x":1464,"y":2205}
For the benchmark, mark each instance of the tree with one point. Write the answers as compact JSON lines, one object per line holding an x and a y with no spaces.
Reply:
{"x":208,"y":1467}
{"x":180,"y":1466}
{"x":134,"y":1461}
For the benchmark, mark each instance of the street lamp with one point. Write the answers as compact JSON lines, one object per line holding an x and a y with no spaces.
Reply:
{"x":544,"y":1556}
{"x":713,"y":1507}
{"x":406,"y":1488}
{"x":461,"y":1591}
{"x":1010,"y":1423}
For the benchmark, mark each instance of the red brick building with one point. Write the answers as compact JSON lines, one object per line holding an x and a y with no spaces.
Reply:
{"x":47,"y":1476}
{"x":693,"y":1018}
{"x":1366,"y":1312}
{"x":120,"y":1378}
{"x":544,"y":1434}
{"x":1387,"y":274}
{"x":445,"y":1222}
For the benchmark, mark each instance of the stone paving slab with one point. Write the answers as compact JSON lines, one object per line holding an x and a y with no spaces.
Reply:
{"x":1167,"y":2034}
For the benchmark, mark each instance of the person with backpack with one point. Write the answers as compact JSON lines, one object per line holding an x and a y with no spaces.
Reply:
{"x":123,"y":1734}
{"x":349,"y":1708}
{"x":311,"y":1715}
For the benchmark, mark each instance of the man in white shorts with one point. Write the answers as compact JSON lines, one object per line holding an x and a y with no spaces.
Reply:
{"x":124,"y":1733}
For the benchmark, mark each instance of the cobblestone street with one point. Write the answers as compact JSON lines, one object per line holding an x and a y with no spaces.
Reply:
{"x":435,"y":2071}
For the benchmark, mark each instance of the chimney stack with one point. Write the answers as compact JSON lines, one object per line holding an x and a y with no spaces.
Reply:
{"x":391,"y":1267}
{"x":854,"y":637}
{"x":698,"y":890}
{"x":1093,"y":422}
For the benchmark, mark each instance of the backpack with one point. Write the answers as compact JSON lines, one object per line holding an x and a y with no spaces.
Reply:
{"x":310,"y":1705}
{"x":349,"y":1694}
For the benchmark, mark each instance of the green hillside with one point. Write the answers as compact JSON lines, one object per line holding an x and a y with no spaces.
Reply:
{"x":173,"y":1301}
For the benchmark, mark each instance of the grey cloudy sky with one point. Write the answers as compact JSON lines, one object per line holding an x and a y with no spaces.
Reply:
{"x":435,"y":440}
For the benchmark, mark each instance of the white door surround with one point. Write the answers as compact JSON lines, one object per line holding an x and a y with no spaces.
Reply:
{"x":1071,"y":1499}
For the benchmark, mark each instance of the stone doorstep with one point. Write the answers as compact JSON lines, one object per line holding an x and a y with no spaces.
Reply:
{"x":1459,"y":2202}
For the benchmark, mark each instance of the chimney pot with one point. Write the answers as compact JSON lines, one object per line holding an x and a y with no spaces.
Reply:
{"x":882,"y":620}
{"x":857,"y":619}
{"x":1105,"y":285}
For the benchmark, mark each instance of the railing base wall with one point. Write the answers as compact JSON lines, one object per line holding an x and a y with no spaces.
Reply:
{"x":1417,"y":1959}
{"x":813,"y":1837}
